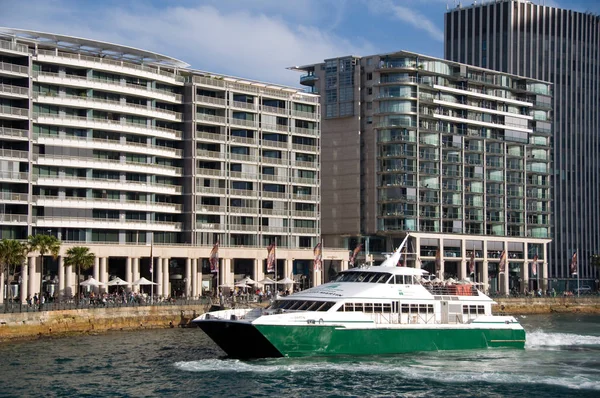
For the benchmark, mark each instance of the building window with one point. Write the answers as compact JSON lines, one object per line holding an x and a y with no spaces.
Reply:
{"x":370,"y":91}
{"x":369,"y":76}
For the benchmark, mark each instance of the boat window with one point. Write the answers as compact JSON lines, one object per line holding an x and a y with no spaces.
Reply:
{"x":387,"y":307}
{"x":348,"y":307}
{"x":305,"y":305}
{"x":473,"y":309}
{"x":358,"y":307}
{"x":326,"y":306}
{"x":368,"y":307}
{"x":286,"y":304}
{"x":383,"y":278}
{"x":372,"y":277}
{"x":399,"y":279}
{"x":377,"y":307}
{"x":314,"y":305}
{"x":361,"y":277}
{"x":295,"y":305}
{"x":417,"y":308}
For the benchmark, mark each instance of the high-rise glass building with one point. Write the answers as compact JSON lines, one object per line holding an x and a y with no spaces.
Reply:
{"x":456,"y":156}
{"x":118,"y":148}
{"x":563,"y":47}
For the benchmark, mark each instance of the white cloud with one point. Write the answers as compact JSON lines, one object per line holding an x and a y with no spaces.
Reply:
{"x":245,"y":43}
{"x":408,"y":14}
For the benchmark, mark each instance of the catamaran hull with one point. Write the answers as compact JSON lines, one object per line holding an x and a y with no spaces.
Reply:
{"x":245,"y":340}
{"x":240,"y":340}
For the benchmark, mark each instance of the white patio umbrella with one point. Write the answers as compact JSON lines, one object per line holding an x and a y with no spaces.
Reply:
{"x":240,"y":284}
{"x":117,"y":282}
{"x":92,"y":282}
{"x":285,"y":281}
{"x":267,"y":281}
{"x":451,"y":280}
{"x":247,"y":281}
{"x":143,"y":281}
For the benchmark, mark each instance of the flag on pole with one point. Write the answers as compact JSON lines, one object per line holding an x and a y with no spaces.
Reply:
{"x":534,"y":265}
{"x":574,"y":264}
{"x":214,"y":258}
{"x":271,"y":258}
{"x":151,"y":256}
{"x":438,"y":260}
{"x":502,"y":263}
{"x":353,"y":255}
{"x":472,"y":263}
{"x":317,"y":251}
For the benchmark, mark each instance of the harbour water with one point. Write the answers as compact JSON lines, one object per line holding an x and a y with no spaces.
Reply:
{"x":561,"y":359}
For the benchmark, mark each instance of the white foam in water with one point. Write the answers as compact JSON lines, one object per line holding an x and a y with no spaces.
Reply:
{"x":437,"y":371}
{"x":543,"y":339}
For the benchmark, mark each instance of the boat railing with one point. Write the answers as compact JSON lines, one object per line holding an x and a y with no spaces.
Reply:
{"x":451,"y":290}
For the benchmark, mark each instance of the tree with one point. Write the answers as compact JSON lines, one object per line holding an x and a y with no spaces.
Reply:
{"x":81,"y":258}
{"x":44,"y":244}
{"x":12,"y":254}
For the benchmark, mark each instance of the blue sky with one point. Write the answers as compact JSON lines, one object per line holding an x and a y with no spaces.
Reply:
{"x":254,"y":39}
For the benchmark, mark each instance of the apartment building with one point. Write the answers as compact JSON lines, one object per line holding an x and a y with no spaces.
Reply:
{"x":561,"y":46}
{"x":457,"y":157}
{"x":128,"y":151}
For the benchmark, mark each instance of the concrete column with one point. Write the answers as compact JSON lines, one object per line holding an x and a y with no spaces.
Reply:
{"x":24,"y":282}
{"x":256,"y":271}
{"x":506,"y":271}
{"x":69,"y":281}
{"x":188,"y":277}
{"x":484,"y":276}
{"x":544,"y":278}
{"x":525,"y":270}
{"x":166,"y":286}
{"x":345,"y":264}
{"x":417,"y":252}
{"x":61,"y":276}
{"x":194,"y":272}
{"x":462,"y":271}
{"x":441,"y":272}
{"x":288,"y":267}
{"x":103,"y":275}
{"x":225,"y":273}
{"x":96,"y":273}
{"x":198,"y":276}
{"x":33,"y":286}
{"x":159,"y":276}
{"x":135,"y":274}
{"x":128,"y":276}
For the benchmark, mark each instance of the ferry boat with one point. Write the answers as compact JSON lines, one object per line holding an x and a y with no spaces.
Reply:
{"x":375,"y":310}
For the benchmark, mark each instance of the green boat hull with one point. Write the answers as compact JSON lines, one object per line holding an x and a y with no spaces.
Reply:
{"x":322,"y":340}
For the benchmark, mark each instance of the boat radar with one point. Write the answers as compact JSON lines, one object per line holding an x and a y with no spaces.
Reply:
{"x":392,"y":260}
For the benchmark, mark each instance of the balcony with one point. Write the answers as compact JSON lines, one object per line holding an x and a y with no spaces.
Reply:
{"x":108,"y":105}
{"x":14,"y":154}
{"x":106,"y":183}
{"x":105,"y":203}
{"x":9,"y":218}
{"x":12,"y":112}
{"x":99,"y":143}
{"x":108,"y":64}
{"x":112,"y":86}
{"x":308,"y":79}
{"x":305,"y":115}
{"x":304,"y":131}
{"x":12,"y":69}
{"x":107,"y":124}
{"x":212,"y":101}
{"x":110,"y":164}
{"x":107,"y":223}
{"x":213,"y":119}
{"x":10,"y":133}
{"x":210,"y":226}
{"x":14,"y":197}
{"x":8,"y":90}
{"x":14,"y":176}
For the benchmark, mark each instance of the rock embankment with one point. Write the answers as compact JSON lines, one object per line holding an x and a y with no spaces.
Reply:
{"x":547,"y":305}
{"x":51,"y":323}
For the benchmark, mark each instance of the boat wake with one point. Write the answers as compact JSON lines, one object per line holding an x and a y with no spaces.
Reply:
{"x":494,"y":369}
{"x":539,"y":339}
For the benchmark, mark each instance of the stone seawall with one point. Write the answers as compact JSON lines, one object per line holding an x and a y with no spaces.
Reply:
{"x":546,"y":305}
{"x":52,"y":323}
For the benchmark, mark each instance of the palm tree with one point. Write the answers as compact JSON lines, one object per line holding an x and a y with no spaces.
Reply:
{"x":43,"y":244}
{"x":12,"y":254}
{"x":81,"y":258}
